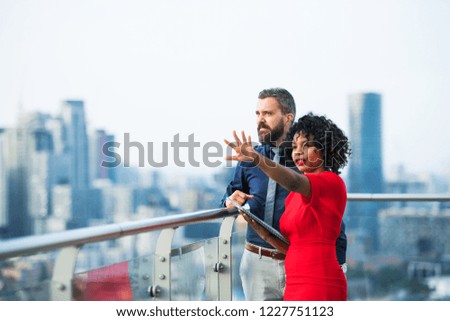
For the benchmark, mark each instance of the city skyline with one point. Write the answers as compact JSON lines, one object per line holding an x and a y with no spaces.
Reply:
{"x":77,"y":74}
{"x":155,"y":69}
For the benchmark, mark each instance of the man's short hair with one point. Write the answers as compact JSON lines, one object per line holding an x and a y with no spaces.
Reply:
{"x":283,"y":97}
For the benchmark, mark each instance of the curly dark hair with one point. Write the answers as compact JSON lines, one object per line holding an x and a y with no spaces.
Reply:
{"x":326,"y":137}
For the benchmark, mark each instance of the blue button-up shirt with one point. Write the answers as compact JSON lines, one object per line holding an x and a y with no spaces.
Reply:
{"x":250,"y":179}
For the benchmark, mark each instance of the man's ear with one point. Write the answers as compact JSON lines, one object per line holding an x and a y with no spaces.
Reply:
{"x":290,"y":117}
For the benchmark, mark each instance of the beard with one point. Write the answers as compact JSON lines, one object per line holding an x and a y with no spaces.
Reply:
{"x":272,"y":135}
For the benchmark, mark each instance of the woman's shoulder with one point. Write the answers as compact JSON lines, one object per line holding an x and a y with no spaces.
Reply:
{"x":326,"y":175}
{"x":326,"y":178}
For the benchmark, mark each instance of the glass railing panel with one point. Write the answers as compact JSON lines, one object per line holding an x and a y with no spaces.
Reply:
{"x":140,"y":271}
{"x":95,"y":255}
{"x":392,"y":282}
{"x":115,"y":270}
{"x":27,"y":278}
{"x":190,"y":269}
{"x":194,"y":276}
{"x":412,"y":261}
{"x":194,"y":255}
{"x":211,"y":277}
{"x":109,"y":283}
{"x":237,"y":242}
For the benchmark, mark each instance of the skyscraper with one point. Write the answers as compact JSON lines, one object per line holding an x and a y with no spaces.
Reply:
{"x":3,"y":186}
{"x":30,"y":174}
{"x":76,"y":143}
{"x":15,"y":159}
{"x":365,"y":173}
{"x":98,"y":140}
{"x":38,"y":142}
{"x":76,"y":151}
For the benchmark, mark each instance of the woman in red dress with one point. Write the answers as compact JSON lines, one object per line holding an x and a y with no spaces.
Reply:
{"x":313,"y":210}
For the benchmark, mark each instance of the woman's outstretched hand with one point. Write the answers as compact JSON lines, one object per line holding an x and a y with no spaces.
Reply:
{"x":243,"y":148}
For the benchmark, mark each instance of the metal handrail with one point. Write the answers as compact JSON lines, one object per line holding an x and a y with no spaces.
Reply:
{"x":37,"y":243}
{"x":379,"y":197}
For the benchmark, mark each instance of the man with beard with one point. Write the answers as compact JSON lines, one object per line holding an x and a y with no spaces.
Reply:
{"x":262,"y":267}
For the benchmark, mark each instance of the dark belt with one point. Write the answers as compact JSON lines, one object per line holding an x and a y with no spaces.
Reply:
{"x":274,"y":254}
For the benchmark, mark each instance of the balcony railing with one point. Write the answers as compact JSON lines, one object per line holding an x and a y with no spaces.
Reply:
{"x":76,"y":264}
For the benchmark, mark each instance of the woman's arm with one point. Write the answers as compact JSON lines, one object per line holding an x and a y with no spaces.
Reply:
{"x":289,"y":179}
{"x":266,"y":235}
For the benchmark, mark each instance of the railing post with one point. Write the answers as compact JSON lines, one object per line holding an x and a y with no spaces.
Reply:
{"x":161,"y":288}
{"x":224,"y":264}
{"x":211,"y":275}
{"x":61,"y":285}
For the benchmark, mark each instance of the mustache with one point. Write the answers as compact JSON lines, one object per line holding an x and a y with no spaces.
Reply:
{"x":263,"y":126}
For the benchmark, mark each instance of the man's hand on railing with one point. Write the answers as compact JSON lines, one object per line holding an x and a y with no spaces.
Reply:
{"x":239,"y":197}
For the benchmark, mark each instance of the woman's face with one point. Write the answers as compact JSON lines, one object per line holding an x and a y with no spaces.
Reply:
{"x":306,"y":156}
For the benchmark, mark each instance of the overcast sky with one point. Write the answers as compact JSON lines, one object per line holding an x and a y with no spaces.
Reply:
{"x":157,"y":68}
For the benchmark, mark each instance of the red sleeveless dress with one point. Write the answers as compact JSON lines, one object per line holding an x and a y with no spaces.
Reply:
{"x":312,"y":227}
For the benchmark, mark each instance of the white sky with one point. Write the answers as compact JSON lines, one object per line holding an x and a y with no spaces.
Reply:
{"x":158,"y":68}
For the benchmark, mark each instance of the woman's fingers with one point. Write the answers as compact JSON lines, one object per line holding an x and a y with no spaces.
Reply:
{"x":247,"y":218}
{"x":238,"y":141}
{"x":244,"y":139}
{"x":232,"y":145}
{"x":241,"y":147}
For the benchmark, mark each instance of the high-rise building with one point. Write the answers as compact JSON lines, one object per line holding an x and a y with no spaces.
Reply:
{"x":365,"y":172}
{"x":30,"y":174}
{"x":39,"y":178}
{"x":17,"y":192}
{"x":97,"y":156}
{"x":76,"y":143}
{"x":76,"y":151}
{"x":3,"y":185}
